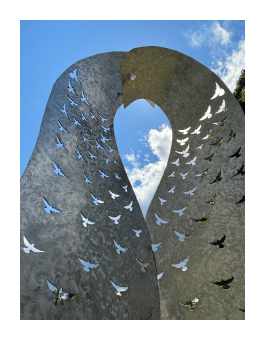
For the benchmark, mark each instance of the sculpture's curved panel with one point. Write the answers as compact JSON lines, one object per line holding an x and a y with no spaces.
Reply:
{"x":197,"y":213}
{"x":80,"y":220}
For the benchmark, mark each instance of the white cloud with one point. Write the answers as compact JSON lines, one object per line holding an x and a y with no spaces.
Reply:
{"x":150,"y":174}
{"x":221,"y":34}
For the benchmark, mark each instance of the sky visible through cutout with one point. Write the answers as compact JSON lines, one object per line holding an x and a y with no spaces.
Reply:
{"x":144,"y":138}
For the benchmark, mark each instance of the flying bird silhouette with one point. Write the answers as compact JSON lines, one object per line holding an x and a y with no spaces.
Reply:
{"x":102,"y":174}
{"x":129,"y":206}
{"x":197,"y":131}
{"x":113,"y":195}
{"x":183,"y":176}
{"x":242,"y":200}
{"x":70,"y":89}
{"x":59,"y":144}
{"x":104,"y":128}
{"x":218,"y":178}
{"x":84,"y":138}
{"x":231,"y":135}
{"x":218,"y":143}
{"x":104,"y":139}
{"x":161,"y":200}
{"x":115,"y":219}
{"x":181,"y":236}
{"x":180,"y":212}
{"x":203,"y":174}
{"x":212,"y":201}
{"x":92,"y":115}
{"x":64,"y":111}
{"x":91,"y":155}
{"x":199,"y":147}
{"x":219,"y":242}
{"x":87,"y":265}
{"x":60,"y":295}
{"x":192,"y":162}
{"x":176,"y":162}
{"x":83,"y":98}
{"x":209,"y":158}
{"x":96,"y":200}
{"x":225,"y":284}
{"x":76,"y":121}
{"x":160,"y":275}
{"x":106,"y":159}
{"x":103,"y":119}
{"x":182,"y":264}
{"x":207,"y":114}
{"x":185,"y":131}
{"x":87,"y":180}
{"x":155,"y":246}
{"x":110,"y":149}
{"x":237,"y":154}
{"x":61,"y":128}
{"x":80,"y":156}
{"x":119,"y":248}
{"x":203,"y":220}
{"x":137,"y":232}
{"x":241,"y":171}
{"x":222,"y":122}
{"x":172,"y":175}
{"x":159,"y":220}
{"x":218,"y":92}
{"x":86,"y":221}
{"x":208,"y":135}
{"x":114,"y":161}
{"x":74,"y":76}
{"x":58,"y":170}
{"x":172,"y":190}
{"x":118,"y":288}
{"x":182,"y":141}
{"x":190,"y":192}
{"x":125,"y":188}
{"x":49,"y":208}
{"x":191,"y":303}
{"x":83,"y":117}
{"x":221,"y":108}
{"x":117,"y":176}
{"x":99,"y":146}
{"x":30,"y":247}
{"x":72,"y":102}
{"x":184,"y":153}
{"x":143,"y":265}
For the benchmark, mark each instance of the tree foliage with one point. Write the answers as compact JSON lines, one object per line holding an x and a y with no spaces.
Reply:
{"x":239,"y":92}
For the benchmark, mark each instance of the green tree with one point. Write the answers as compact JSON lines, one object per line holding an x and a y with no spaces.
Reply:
{"x":239,"y":92}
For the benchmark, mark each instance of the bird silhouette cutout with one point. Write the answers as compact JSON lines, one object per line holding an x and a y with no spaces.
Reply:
{"x":118,"y":288}
{"x":104,"y":139}
{"x":83,"y":117}
{"x":207,"y":114}
{"x":192,"y":162}
{"x":212,"y":201}
{"x":59,"y":144}
{"x":203,"y":220}
{"x":155,"y":246}
{"x":182,"y":264}
{"x":191,"y":303}
{"x":60,"y":295}
{"x":225,"y":284}
{"x":183,"y":176}
{"x":209,"y":135}
{"x":92,"y":115}
{"x":161,"y":200}
{"x":106,"y":159}
{"x":117,"y":176}
{"x":199,"y":147}
{"x":87,"y":180}
{"x":99,"y":146}
{"x":143,"y":265}
{"x":125,"y":188}
{"x":184,"y":153}
{"x":180,"y":212}
{"x":218,"y":143}
{"x":219,"y":242}
{"x":203,"y":174}
{"x":91,"y":155}
{"x":182,"y":141}
{"x":218,"y":178}
{"x":241,"y":171}
{"x":115,"y":219}
{"x":76,"y":121}
{"x":64,"y":111}
{"x":190,"y":192}
{"x":159,"y":220}
{"x":114,"y":161}
{"x":129,"y":206}
{"x":103,"y":119}
{"x":237,"y":154}
{"x":80,"y":156}
{"x":231,"y":135}
{"x":181,"y":236}
{"x":72,"y":102}
{"x":113,"y":195}
{"x":242,"y":200}
{"x":242,"y":310}
{"x":61,"y":128}
{"x":104,"y":128}
{"x":222,"y":122}
{"x":221,"y":108}
{"x":185,"y":131}
{"x":119,"y":248}
{"x":110,"y":149}
{"x":87,"y":265}
{"x":172,"y":174}
{"x":58,"y":170}
{"x":218,"y":91}
{"x":83,"y":98}
{"x":86,"y":221}
{"x":30,"y":247}
{"x":209,"y":158}
{"x":137,"y":232}
{"x":84,"y":138}
{"x":102,"y":174}
{"x":196,"y":131}
{"x":70,"y":89}
{"x":49,"y":208}
{"x":74,"y":76}
{"x":96,"y":200}
{"x":159,"y":276}
{"x":176,"y":162}
{"x":172,"y":190}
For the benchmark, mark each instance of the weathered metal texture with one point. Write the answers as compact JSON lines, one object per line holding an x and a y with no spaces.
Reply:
{"x":62,"y":235}
{"x":183,"y":88}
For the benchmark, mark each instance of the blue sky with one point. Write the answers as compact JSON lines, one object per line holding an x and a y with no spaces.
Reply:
{"x":143,"y":134}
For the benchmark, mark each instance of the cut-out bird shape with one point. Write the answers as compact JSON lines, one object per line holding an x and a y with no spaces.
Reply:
{"x":181,"y":236}
{"x":155,"y":246}
{"x":86,"y":221}
{"x":59,"y":144}
{"x":172,"y":190}
{"x":91,"y":155}
{"x":183,"y":176}
{"x":92,"y":115}
{"x":76,"y":121}
{"x":242,"y":200}
{"x":72,"y":102}
{"x":61,"y":128}
{"x":64,"y":111}
{"x":218,"y":143}
{"x":161,"y":200}
{"x":200,"y":147}
{"x":231,"y":135}
{"x":87,"y":265}
{"x":83,"y":117}
{"x":172,"y":175}
{"x":129,"y":206}
{"x":119,"y":248}
{"x":203,"y":220}
{"x":236,"y":154}
{"x":176,"y":162}
{"x":80,"y":156}
{"x":218,"y":178}
{"x":104,"y":139}
{"x":99,"y":146}
{"x":60,"y":295}
{"x":218,"y":91}
{"x":84,"y":138}
{"x":117,"y":176}
{"x":58,"y":170}
{"x":113,"y":195}
{"x":87,"y":180}
{"x":185,"y":131}
{"x":125,"y":188}
{"x":209,"y":158}
{"x":30,"y":247}
{"x":103,"y":119}
{"x":159,"y":220}
{"x":114,"y":161}
{"x":222,"y":122}
{"x":190,"y":192}
{"x":207,"y":114}
{"x":159,"y":276}
{"x":96,"y":200}
{"x":110,"y":149}
{"x":137,"y":232}
{"x":212,"y":201}
{"x":184,"y":153}
{"x":118,"y":288}
{"x":104,"y":128}
{"x":83,"y":98}
{"x":197,"y":131}
{"x":102,"y":174}
{"x":241,"y":171}
{"x":49,"y":208}
{"x":74,"y":76}
{"x":221,"y":108}
{"x":219,"y":242}
{"x":70,"y":89}
{"x":115,"y":219}
{"x":180,"y":212}
{"x":225,"y":284}
{"x":182,"y":264}
{"x":143,"y":265}
{"x":192,"y":162}
{"x":182,"y":141}
{"x":203,"y":174}
{"x":106,"y":159}
{"x":191,"y":303}
{"x":209,"y":135}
